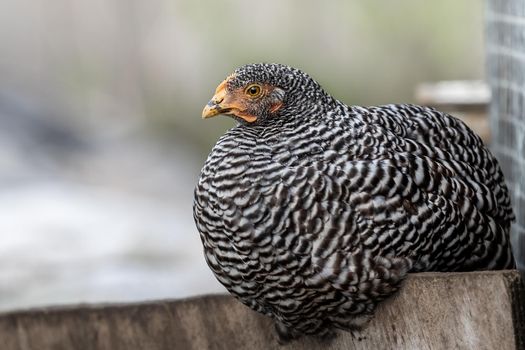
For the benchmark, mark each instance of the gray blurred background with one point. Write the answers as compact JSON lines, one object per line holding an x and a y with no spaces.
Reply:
{"x":101,"y":140}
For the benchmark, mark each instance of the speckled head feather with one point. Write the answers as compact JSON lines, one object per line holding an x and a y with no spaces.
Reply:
{"x":293,"y":91}
{"x":287,"y":78}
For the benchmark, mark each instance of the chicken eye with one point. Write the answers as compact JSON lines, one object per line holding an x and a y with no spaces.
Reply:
{"x":253,"y":90}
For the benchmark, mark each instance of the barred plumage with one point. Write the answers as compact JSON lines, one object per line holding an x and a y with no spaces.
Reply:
{"x":311,"y":211}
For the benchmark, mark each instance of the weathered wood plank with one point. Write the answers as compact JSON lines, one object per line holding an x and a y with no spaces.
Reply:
{"x":479,"y":310}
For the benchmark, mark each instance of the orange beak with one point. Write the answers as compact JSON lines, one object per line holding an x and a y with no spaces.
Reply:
{"x":217,"y":105}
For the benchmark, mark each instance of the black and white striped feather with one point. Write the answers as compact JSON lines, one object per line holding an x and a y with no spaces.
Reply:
{"x":314,"y":215}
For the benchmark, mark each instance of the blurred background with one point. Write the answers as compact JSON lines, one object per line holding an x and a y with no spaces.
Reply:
{"x":101,"y":140}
